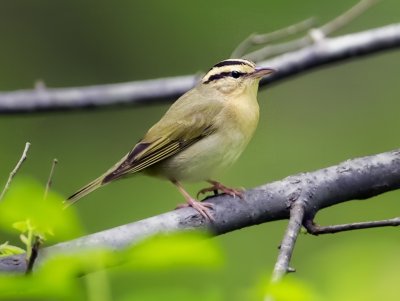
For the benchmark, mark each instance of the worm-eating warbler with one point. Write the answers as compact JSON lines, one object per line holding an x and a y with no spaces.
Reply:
{"x":203,"y":132}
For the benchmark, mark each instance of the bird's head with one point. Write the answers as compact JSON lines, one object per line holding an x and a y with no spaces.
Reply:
{"x":234,"y":76}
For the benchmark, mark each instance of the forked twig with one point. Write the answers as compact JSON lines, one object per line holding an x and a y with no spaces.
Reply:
{"x":314,"y":34}
{"x":257,"y":39}
{"x":15,"y":170}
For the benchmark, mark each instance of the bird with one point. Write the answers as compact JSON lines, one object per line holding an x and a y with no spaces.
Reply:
{"x":202,"y":133}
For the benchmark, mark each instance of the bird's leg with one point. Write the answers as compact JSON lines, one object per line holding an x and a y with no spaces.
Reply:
{"x":202,"y":208}
{"x":217,"y":186}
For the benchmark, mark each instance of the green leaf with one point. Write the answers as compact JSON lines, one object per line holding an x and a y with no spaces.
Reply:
{"x":185,"y":249}
{"x":24,"y":239}
{"x":22,"y":226}
{"x":6,"y":250}
{"x":24,"y":206}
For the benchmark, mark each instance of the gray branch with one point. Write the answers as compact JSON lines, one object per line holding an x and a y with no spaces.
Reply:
{"x":326,"y":51}
{"x":355,"y":179}
{"x":289,"y":240}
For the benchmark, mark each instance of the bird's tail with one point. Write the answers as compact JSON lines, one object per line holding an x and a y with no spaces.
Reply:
{"x":84,"y":191}
{"x":114,"y":173}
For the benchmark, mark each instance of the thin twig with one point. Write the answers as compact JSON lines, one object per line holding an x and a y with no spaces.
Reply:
{"x":348,"y":16}
{"x":34,"y":254}
{"x":317,"y":229}
{"x":257,"y":39}
{"x":50,"y":179}
{"x":283,"y":33}
{"x":287,"y":246}
{"x":15,"y":170}
{"x":273,"y":50}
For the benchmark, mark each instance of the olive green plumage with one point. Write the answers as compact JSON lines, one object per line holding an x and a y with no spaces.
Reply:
{"x":203,"y":132}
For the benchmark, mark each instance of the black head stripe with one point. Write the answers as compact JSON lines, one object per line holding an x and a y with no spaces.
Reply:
{"x":222,"y":75}
{"x":231,"y":63}
{"x":217,"y":76}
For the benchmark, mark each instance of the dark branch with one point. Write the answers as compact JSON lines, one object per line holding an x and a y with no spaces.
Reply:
{"x":360,"y":178}
{"x":317,"y":229}
{"x":34,"y":254}
{"x":327,"y":51}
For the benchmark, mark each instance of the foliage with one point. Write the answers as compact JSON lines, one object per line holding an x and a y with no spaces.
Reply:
{"x":24,"y":209}
{"x":6,"y":250}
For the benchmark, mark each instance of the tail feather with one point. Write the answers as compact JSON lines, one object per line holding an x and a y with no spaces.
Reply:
{"x":104,"y":179}
{"x":84,"y":191}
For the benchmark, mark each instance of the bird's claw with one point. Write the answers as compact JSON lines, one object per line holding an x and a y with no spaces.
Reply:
{"x":216,"y":186}
{"x":202,"y":208}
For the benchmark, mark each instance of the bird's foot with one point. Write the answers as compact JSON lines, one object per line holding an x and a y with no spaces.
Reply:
{"x":217,"y":186}
{"x":202,"y":208}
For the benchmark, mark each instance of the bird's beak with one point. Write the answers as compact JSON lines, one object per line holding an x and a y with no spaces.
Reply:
{"x":261,"y":72}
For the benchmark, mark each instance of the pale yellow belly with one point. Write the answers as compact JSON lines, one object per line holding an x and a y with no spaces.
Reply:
{"x":203,"y":160}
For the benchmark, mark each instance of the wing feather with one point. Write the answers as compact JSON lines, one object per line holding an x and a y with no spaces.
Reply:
{"x":191,"y":118}
{"x":187,"y":121}
{"x":162,"y":151}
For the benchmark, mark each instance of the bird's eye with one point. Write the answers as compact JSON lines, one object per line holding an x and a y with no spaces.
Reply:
{"x":236,"y":74}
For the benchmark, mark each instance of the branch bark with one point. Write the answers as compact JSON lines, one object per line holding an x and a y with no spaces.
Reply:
{"x":359,"y":178}
{"x":326,"y":51}
{"x":289,"y":240}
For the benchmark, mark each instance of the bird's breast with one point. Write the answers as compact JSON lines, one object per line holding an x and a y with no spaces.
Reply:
{"x":234,"y":128}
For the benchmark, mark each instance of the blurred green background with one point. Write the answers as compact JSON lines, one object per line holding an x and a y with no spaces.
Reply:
{"x":312,"y":121}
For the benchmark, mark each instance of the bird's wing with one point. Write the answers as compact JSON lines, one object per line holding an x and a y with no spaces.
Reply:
{"x":178,"y":129}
